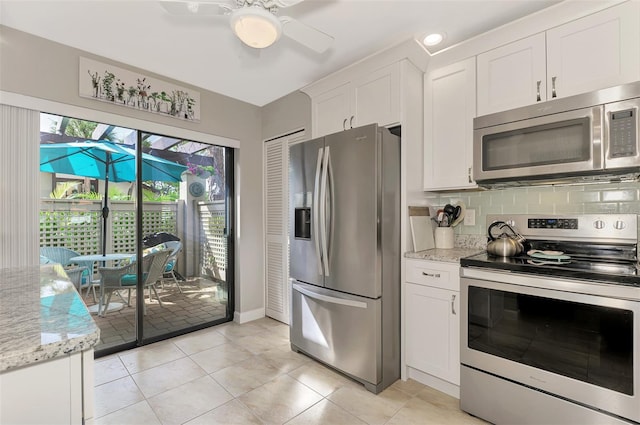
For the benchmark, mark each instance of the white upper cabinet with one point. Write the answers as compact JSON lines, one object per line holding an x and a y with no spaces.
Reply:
{"x":449,"y":107}
{"x":512,"y":76}
{"x":594,"y":52}
{"x":331,"y":110}
{"x":366,"y":99}
{"x":377,"y":97}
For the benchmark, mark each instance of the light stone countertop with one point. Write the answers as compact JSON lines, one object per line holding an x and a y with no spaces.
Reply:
{"x":452,"y":255}
{"x":41,"y":316}
{"x":463,"y":246}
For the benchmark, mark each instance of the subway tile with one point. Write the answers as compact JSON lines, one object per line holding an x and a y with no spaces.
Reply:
{"x":555,"y":197}
{"x":582,"y":197}
{"x":629,"y":207}
{"x":601,"y":208}
{"x":619,"y":195}
{"x":570,"y":208}
{"x":504,"y":198}
{"x":540,"y":209}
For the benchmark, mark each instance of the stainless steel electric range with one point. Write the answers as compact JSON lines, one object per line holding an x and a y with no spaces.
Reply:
{"x":554,"y":338}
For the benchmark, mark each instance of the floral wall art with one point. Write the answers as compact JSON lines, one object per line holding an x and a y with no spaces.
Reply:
{"x":122,"y":87}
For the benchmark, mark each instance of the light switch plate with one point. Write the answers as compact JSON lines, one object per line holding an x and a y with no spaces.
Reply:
{"x":469,"y":217}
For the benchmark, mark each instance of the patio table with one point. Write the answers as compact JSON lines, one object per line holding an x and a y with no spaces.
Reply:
{"x":115,"y":306}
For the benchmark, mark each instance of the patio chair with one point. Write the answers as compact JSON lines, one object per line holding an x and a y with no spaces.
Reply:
{"x":169,"y":271}
{"x":61,"y":255}
{"x":113,"y":279}
{"x":75,"y":276}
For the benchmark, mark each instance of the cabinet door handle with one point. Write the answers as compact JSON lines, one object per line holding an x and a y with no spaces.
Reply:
{"x":538,"y":90}
{"x":453,"y":304}
{"x":431,"y":274}
{"x":344,"y":124}
{"x":351,"y":121}
{"x":553,"y":86}
{"x":469,"y":175}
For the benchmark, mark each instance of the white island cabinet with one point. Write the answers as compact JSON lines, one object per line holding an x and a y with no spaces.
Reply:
{"x":432,"y":324}
{"x":598,"y":51}
{"x":46,"y":349}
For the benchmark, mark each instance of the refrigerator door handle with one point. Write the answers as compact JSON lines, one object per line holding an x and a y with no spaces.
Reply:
{"x":316,"y":210}
{"x":323,"y":210}
{"x":330,"y":211}
{"x":329,"y":299}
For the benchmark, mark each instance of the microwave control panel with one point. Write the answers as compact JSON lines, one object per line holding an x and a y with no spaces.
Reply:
{"x":623,"y":133}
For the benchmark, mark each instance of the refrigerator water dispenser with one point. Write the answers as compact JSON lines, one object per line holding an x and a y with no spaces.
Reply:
{"x":302,"y":223}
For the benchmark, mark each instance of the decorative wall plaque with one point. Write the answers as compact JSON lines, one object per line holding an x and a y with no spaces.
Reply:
{"x":109,"y":83}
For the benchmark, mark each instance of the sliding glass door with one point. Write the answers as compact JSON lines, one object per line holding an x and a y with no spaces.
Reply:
{"x":150,"y":215}
{"x":193,"y":289}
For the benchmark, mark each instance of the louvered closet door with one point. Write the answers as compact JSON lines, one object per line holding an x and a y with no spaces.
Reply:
{"x":276,"y":168}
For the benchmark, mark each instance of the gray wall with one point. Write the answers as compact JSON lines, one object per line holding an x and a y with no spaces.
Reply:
{"x":39,"y":68}
{"x":289,"y":113}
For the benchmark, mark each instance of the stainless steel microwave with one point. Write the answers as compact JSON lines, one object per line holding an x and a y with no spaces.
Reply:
{"x":582,"y":138}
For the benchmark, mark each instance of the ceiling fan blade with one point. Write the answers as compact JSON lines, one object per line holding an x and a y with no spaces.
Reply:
{"x":200,"y":8}
{"x":286,"y":3}
{"x":308,"y":36}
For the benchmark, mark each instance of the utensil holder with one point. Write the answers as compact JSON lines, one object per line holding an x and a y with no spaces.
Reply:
{"x":444,"y":237}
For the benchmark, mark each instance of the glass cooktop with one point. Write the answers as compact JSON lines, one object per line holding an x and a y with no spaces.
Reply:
{"x":607,"y":271}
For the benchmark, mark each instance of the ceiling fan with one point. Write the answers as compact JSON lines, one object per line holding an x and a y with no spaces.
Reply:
{"x":255,"y":22}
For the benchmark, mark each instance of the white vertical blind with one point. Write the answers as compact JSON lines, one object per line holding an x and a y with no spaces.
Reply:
{"x":276,"y":178}
{"x":19,"y":186}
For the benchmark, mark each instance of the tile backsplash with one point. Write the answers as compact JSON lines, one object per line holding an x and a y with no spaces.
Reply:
{"x":609,"y":198}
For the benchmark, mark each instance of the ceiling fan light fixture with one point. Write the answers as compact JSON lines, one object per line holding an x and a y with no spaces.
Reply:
{"x":256,"y":27}
{"x":433,"y":39}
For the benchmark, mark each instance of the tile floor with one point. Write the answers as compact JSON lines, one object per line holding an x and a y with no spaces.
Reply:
{"x":247,"y":374}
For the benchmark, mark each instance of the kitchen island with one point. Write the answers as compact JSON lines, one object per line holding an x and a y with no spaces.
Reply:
{"x":46,"y":348}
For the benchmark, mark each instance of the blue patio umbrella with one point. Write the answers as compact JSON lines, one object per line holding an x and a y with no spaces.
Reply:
{"x":106,"y":161}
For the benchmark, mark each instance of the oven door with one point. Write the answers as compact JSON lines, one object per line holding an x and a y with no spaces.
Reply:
{"x":583,"y":348}
{"x":552,"y":145}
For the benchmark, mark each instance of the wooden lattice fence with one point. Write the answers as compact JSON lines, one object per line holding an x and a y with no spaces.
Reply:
{"x":77,"y":224}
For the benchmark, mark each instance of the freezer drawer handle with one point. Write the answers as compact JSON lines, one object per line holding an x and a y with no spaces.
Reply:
{"x":431,"y":274}
{"x":333,"y":300}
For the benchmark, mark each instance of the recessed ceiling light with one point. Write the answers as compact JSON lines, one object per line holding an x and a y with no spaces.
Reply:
{"x":433,"y":39}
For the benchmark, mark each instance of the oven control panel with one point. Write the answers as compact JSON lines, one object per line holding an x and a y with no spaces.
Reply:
{"x":552,"y":223}
{"x":617,"y":228}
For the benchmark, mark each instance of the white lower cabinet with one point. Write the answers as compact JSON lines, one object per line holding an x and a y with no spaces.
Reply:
{"x":57,"y":391}
{"x":432,"y":324}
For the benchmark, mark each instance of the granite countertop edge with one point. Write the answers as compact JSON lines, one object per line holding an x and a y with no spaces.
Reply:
{"x":452,"y":255}
{"x":33,"y":330}
{"x":48,"y":352}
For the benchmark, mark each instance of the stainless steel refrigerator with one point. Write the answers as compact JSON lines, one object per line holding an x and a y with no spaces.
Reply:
{"x":344,"y":241}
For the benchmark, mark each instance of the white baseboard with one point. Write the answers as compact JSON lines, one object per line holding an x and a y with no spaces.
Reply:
{"x":433,"y":382}
{"x":248,"y":316}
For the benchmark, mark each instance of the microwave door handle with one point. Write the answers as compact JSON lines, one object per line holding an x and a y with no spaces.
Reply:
{"x":316,"y":211}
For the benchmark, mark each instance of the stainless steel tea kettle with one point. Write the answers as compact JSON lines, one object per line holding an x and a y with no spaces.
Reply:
{"x":505,"y":244}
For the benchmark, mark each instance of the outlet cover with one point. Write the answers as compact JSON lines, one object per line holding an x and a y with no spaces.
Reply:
{"x":469,"y":217}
